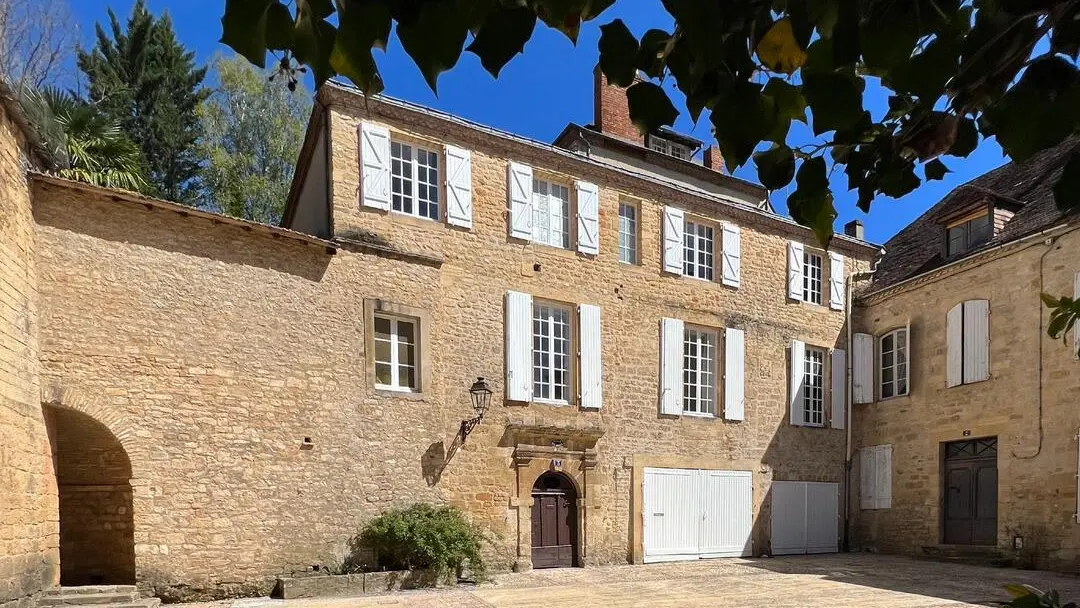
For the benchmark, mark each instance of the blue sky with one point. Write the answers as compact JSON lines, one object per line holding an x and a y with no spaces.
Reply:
{"x":545,"y":88}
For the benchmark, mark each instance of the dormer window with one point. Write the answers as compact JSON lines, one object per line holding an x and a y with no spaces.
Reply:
{"x":666,"y":146}
{"x":968,"y":233}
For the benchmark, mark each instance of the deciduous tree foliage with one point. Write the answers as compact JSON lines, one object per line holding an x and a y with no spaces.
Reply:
{"x":955,"y":70}
{"x":141,"y":77}
{"x":252,"y":132}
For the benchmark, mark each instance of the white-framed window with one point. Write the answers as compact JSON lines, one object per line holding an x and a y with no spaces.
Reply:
{"x":395,"y":353}
{"x":551,"y":214}
{"x":628,"y":227}
{"x":414,"y":180}
{"x":699,"y":371}
{"x":969,"y":234}
{"x":893,"y":348}
{"x":551,"y":352}
{"x":698,"y":247}
{"x":811,"y":270}
{"x":814,"y":387}
{"x":666,"y":146}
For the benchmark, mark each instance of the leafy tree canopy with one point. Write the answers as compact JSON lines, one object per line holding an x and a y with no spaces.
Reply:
{"x":955,"y":71}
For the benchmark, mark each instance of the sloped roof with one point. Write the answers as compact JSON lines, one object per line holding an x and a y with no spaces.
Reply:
{"x":1023,"y":187}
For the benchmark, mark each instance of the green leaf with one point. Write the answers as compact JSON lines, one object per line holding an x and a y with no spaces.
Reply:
{"x":434,"y":39}
{"x":967,"y":138}
{"x":835,"y":100}
{"x":1065,"y":37}
{"x":935,"y":170}
{"x":824,"y":14}
{"x":650,"y":107}
{"x":776,"y":166}
{"x":243,"y":28}
{"x":567,"y":15}
{"x":502,"y":36}
{"x":741,"y":120}
{"x":811,"y":204}
{"x":1015,"y":590}
{"x":618,"y":53}
{"x":362,"y":26}
{"x":789,"y":100}
{"x":779,"y":50}
{"x":1039,"y":112}
{"x":279,"y":27}
{"x":1067,"y":188}
{"x":313,"y":41}
{"x":650,"y":57}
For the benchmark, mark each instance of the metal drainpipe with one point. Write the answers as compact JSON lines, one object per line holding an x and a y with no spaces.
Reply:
{"x":849,"y":402}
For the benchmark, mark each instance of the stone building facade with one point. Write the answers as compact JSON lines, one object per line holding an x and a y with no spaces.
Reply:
{"x":978,"y":453}
{"x":215,"y":399}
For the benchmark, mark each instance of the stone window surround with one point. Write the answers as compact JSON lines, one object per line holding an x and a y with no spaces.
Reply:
{"x":423,"y":346}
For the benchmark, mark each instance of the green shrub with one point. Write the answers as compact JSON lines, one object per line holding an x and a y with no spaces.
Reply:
{"x":424,"y":537}
{"x":1026,"y":596}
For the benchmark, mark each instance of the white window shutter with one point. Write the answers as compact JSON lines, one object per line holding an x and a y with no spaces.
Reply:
{"x":955,"y":346}
{"x":883,"y":481}
{"x":673,"y":240}
{"x":907,"y":355}
{"x":862,"y":368}
{"x":375,"y":166}
{"x":458,"y":186}
{"x":519,"y":184}
{"x":867,"y":477}
{"x":732,"y":255}
{"x":1076,"y":329}
{"x":839,"y":388}
{"x":518,"y":346}
{"x":798,"y":373}
{"x":734,"y":374}
{"x":795,"y":270}
{"x":671,"y":366}
{"x":836,"y":281}
{"x":976,"y":340}
{"x":588,"y":213}
{"x":592,"y":395}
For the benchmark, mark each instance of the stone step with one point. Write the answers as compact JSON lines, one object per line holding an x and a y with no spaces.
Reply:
{"x":87,"y":589}
{"x":89,"y":599}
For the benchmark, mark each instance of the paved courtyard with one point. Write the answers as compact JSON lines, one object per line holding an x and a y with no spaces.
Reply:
{"x":844,"y":580}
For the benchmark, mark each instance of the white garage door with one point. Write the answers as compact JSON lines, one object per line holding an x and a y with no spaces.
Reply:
{"x":805,"y":517}
{"x":691,"y":514}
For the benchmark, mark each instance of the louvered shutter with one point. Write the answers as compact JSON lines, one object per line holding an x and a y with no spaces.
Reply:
{"x":458,"y":186}
{"x":836,"y":281}
{"x":671,"y":366}
{"x":518,"y":346}
{"x":954,"y":373}
{"x":862,"y":368}
{"x":883,"y":477}
{"x":1076,"y":329}
{"x":519,"y":184}
{"x":907,"y":358}
{"x":732,"y":255}
{"x":839,"y":388}
{"x":588,"y":212}
{"x":591,"y":370}
{"x":734,"y":374}
{"x":798,"y":371}
{"x":375,"y":166}
{"x":976,"y":340}
{"x":795,"y":270}
{"x":867,"y":477}
{"x":673,"y":240}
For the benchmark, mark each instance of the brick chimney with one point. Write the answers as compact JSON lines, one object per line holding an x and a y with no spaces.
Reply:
{"x":611,"y":112}
{"x":854,"y":228}
{"x":712,"y":159}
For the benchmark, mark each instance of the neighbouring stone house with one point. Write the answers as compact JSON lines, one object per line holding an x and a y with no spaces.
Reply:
{"x":200,"y":404}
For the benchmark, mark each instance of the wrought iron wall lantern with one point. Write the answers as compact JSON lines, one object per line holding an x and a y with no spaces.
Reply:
{"x":481,"y":397}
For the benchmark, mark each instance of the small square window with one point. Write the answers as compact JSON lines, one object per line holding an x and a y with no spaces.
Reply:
{"x":395,"y":353}
{"x":628,"y":233}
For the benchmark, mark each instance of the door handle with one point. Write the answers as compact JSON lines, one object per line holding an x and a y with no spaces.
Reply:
{"x":658,"y":514}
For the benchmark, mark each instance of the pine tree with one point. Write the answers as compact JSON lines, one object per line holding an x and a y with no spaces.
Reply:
{"x":145,"y":80}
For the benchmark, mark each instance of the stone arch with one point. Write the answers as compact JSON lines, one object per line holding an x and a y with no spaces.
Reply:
{"x":55,"y":394}
{"x":95,"y":498}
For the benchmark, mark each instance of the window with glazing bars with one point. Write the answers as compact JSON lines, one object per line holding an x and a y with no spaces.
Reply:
{"x":699,"y":371}
{"x":698,"y":251}
{"x":814,"y":387}
{"x":894,"y":364}
{"x":414,"y":180}
{"x":551,"y":353}
{"x":551,"y":214}
{"x":628,"y":233}
{"x":812,"y":278}
{"x":395,"y":353}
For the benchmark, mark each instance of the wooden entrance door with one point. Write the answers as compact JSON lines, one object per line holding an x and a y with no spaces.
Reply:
{"x":970,"y":492}
{"x":554,"y":522}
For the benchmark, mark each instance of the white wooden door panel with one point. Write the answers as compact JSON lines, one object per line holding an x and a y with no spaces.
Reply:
{"x":692,"y":514}
{"x":805,"y":517}
{"x":822,"y":517}
{"x":728,"y":519}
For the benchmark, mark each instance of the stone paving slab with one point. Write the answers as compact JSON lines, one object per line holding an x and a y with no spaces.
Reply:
{"x":824,"y":581}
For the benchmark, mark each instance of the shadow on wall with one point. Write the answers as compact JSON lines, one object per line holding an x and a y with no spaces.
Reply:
{"x":112,"y":218}
{"x":93,"y":475}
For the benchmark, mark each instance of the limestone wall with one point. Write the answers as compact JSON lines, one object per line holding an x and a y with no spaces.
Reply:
{"x":1037,"y":446}
{"x":28,"y":521}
